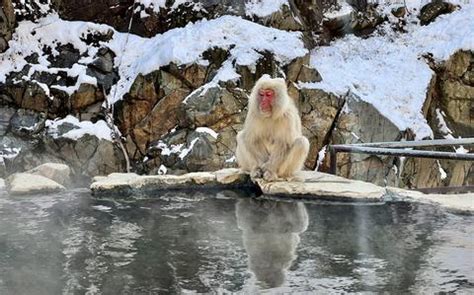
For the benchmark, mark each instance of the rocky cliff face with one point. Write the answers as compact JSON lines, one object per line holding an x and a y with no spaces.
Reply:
{"x":168,"y":82}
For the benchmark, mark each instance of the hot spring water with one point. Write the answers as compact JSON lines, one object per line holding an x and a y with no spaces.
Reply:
{"x":227,"y":242}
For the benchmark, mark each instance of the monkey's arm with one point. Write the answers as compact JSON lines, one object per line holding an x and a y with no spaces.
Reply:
{"x":251,"y":154}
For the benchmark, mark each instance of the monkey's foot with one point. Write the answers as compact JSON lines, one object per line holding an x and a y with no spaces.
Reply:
{"x":270,"y":176}
{"x":256,"y":173}
{"x":295,"y":178}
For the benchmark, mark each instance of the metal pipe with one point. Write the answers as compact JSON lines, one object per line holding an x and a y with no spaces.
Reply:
{"x":419,"y":143}
{"x":400,"y":152}
{"x":332,"y":160}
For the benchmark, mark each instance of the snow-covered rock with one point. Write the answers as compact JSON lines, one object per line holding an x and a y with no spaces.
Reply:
{"x":26,"y":183}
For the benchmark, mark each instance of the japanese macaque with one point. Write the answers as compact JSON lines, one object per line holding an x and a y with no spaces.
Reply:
{"x":271,"y":144}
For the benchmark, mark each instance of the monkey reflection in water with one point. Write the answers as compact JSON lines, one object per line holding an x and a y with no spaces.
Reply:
{"x":270,"y":233}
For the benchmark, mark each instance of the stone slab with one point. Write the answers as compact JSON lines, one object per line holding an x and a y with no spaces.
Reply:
{"x":130,"y":183}
{"x":458,"y":202}
{"x":313,"y":185}
{"x":323,"y":185}
{"x":60,"y":173}
{"x":26,"y":183}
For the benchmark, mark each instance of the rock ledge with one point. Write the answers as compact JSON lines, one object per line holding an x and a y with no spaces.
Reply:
{"x":315,"y":185}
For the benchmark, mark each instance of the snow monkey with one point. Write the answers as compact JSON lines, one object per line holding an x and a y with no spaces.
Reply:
{"x":271,"y":144}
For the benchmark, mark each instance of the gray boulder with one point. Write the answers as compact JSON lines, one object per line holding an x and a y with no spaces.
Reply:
{"x":57,"y":172}
{"x":26,"y":183}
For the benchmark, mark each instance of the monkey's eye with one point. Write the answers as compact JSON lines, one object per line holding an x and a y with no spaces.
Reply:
{"x":268,"y":93}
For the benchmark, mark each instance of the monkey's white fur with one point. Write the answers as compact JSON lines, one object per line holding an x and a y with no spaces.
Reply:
{"x":271,"y":144}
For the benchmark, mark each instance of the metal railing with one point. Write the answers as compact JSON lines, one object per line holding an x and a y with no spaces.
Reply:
{"x":399,"y":148}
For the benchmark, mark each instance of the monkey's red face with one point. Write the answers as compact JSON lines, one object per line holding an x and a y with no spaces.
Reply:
{"x":266,"y":97}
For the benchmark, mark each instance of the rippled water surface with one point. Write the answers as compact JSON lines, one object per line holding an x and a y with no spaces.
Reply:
{"x":227,"y":242}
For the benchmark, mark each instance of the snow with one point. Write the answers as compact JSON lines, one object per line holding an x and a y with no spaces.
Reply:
{"x":321,"y":156}
{"x":343,"y":9}
{"x":232,"y":159}
{"x":413,"y":6}
{"x":442,"y":172}
{"x":388,"y":71}
{"x":208,"y":131}
{"x":262,"y":8}
{"x":162,"y":170}
{"x":168,"y":150}
{"x":180,"y":149}
{"x":225,"y":73}
{"x":137,"y":55}
{"x":32,"y":37}
{"x":442,"y":125}
{"x":157,"y":5}
{"x":446,"y":132}
{"x":184,"y":152}
{"x":8,"y":153}
{"x":186,"y":46}
{"x":100,"y":129}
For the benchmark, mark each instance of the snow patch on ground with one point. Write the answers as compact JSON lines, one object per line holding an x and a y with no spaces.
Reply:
{"x":343,"y":9}
{"x":413,"y":6}
{"x":388,"y":70}
{"x":262,"y":8}
{"x":100,"y":129}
